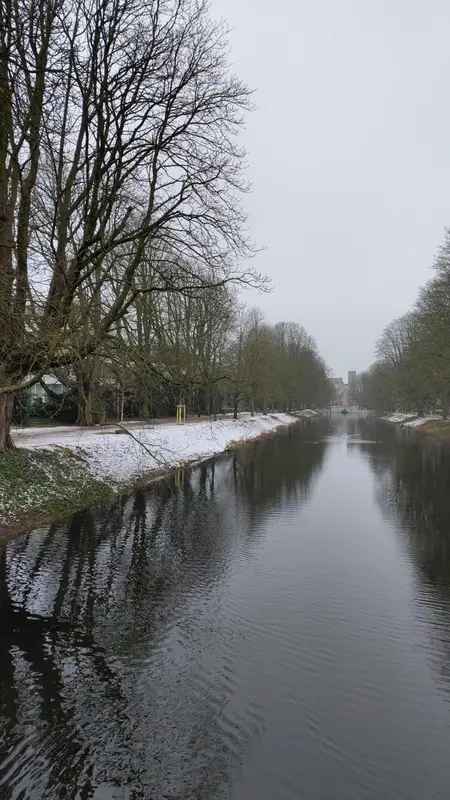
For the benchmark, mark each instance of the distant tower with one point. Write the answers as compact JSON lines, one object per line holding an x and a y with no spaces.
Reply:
{"x":352,"y":388}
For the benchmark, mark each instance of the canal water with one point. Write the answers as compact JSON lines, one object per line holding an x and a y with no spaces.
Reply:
{"x":272,"y":625}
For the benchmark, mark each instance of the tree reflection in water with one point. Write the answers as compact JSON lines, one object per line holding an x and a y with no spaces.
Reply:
{"x":413,"y":489}
{"x":111,"y":628}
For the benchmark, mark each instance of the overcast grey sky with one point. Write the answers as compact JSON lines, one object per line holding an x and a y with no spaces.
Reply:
{"x":349,"y":158}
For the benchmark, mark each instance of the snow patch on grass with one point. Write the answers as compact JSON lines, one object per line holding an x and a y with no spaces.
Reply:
{"x":419,"y":421}
{"x":399,"y":418}
{"x":49,"y":483}
{"x":411,"y":420}
{"x":119,"y":458}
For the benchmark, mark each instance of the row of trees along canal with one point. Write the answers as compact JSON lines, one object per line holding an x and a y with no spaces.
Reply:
{"x":412,"y":371}
{"x":121,"y":232}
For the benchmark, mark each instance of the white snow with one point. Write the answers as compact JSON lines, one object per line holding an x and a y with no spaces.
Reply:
{"x":416,"y":423}
{"x":400,"y":418}
{"x":410,"y":420}
{"x":119,"y":458}
{"x":307,"y":412}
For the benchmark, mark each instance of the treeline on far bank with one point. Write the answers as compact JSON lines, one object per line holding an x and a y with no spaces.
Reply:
{"x":199,"y":348}
{"x":412,"y":370}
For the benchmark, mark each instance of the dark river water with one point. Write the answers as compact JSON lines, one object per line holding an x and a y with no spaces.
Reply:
{"x":274,"y":625}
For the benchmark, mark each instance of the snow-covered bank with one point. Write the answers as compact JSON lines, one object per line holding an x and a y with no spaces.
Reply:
{"x":119,"y":458}
{"x":55,"y":471}
{"x":411,"y":420}
{"x":399,"y":418}
{"x":307,"y":413}
{"x":419,"y":421}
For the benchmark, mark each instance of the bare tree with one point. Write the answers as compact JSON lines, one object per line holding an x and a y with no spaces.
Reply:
{"x":118,"y":132}
{"x":413,"y":370}
{"x":396,"y":340}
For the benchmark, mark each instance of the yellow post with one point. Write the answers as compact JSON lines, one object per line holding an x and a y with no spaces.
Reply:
{"x":181,"y":414}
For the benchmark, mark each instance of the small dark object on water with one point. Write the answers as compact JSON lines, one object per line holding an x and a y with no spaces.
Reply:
{"x":344,"y":411}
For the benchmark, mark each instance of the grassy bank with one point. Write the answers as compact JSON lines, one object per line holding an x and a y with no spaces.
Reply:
{"x":38,"y":485}
{"x":438,"y":429}
{"x":56,"y":471}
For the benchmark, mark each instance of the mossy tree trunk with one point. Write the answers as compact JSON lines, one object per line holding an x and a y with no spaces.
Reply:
{"x":6,"y":412}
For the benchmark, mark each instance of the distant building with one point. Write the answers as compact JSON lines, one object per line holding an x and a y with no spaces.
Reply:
{"x":341,"y":390}
{"x":352,"y":378}
{"x":37,"y":391}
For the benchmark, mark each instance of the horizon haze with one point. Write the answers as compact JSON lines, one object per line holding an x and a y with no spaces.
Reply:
{"x":349,"y":160}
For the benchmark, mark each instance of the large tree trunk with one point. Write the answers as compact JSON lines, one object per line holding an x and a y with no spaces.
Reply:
{"x":6,"y":412}
{"x":146,"y":404}
{"x":210,"y":402}
{"x":235,"y":406}
{"x":91,"y":408}
{"x":85,"y":416}
{"x":121,"y":403}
